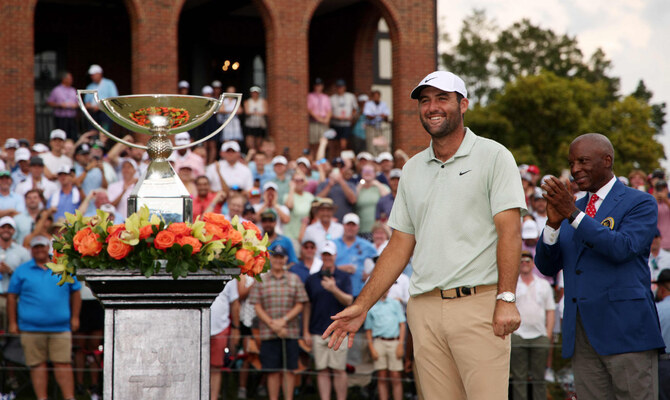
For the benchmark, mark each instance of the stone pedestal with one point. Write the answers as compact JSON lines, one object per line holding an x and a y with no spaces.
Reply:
{"x":156,"y":332}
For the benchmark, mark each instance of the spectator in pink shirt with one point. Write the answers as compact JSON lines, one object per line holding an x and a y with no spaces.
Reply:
{"x":320,"y":111}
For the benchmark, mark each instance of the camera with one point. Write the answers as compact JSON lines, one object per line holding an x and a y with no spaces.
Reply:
{"x":326,"y":273}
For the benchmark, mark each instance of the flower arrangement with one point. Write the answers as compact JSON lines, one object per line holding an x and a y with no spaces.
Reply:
{"x":177,"y":116}
{"x":212,"y":243}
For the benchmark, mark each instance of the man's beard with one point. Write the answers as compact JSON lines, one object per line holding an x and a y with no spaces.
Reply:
{"x":448,"y":126}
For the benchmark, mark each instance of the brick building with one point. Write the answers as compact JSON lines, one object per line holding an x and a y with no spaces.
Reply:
{"x":147,"y":46}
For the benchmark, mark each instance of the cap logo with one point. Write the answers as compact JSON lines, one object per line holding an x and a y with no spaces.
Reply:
{"x":429,"y":79}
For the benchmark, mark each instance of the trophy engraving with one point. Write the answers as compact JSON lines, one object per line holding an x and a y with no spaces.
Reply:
{"x":159,"y":115}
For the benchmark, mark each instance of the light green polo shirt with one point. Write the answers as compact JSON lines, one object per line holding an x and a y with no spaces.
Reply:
{"x":449,"y":208}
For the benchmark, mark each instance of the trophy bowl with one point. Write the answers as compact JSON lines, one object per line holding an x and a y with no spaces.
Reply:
{"x":159,"y":115}
{"x":145,"y":113}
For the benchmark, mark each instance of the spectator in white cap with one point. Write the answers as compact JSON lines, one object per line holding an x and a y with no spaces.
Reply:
{"x":261,"y":167}
{"x":11,"y":203}
{"x":207,"y":91}
{"x":183,"y":87}
{"x":324,"y":228}
{"x":385,"y":203}
{"x":232,"y":131}
{"x":120,"y":191}
{"x":8,"y":156}
{"x":63,"y":100}
{"x":37,"y":180}
{"x":22,"y":171}
{"x":282,"y":178}
{"x":106,"y":88}
{"x":479,"y":229}
{"x":299,"y":202}
{"x":68,"y":197}
{"x":39,"y":149}
{"x":385,"y":161}
{"x":187,"y":156}
{"x":89,"y":170}
{"x":229,"y":171}
{"x":12,"y":254}
{"x":529,"y":234}
{"x":26,"y":221}
{"x":271,"y":202}
{"x":255,"y":123}
{"x":368,"y":193}
{"x":54,"y":159}
{"x":217,"y":88}
{"x":353,"y":251}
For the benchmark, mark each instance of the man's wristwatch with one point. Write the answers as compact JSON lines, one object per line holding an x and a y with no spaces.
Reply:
{"x":507,"y":297}
{"x":574,"y":216}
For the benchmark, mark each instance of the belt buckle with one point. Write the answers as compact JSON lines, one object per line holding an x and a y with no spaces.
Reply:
{"x":460,"y":292}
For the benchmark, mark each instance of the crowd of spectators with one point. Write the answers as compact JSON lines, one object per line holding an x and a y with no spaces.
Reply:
{"x":325,"y":213}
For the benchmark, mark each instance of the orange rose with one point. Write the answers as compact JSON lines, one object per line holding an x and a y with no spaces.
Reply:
{"x":259,"y":264}
{"x":250,"y":225}
{"x":86,"y":242}
{"x":216,"y":219}
{"x":164,"y":240}
{"x":247,"y":257}
{"x":190,"y":240}
{"x":115,"y":228}
{"x":146,"y":231}
{"x":234,"y":236}
{"x":179,"y":229}
{"x":215,"y":231}
{"x":117,"y":249}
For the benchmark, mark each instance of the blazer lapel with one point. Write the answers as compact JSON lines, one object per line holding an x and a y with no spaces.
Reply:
{"x":610,"y":201}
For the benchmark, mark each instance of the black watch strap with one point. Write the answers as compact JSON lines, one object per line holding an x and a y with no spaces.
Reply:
{"x":574,"y":215}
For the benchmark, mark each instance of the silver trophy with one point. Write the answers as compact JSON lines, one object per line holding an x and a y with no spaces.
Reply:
{"x":160,"y":115}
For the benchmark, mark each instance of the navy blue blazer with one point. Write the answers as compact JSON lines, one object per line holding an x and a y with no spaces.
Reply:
{"x":606,"y":274}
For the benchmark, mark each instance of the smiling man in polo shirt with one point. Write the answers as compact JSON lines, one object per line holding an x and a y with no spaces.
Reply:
{"x":458,"y":211}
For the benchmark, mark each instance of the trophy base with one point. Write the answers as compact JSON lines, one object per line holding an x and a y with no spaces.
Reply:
{"x":171,"y":209}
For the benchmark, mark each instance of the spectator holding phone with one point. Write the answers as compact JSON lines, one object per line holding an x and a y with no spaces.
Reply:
{"x":329,"y":292}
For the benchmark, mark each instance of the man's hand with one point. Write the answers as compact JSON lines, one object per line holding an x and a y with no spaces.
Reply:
{"x":347,"y":323}
{"x":328,"y":283}
{"x":348,"y":268}
{"x":400,"y":351}
{"x":374,"y":354}
{"x":74,"y":324}
{"x":506,"y":318}
{"x":554,"y":219}
{"x":559,"y":197}
{"x":308,"y":339}
{"x":13,"y":328}
{"x":5,"y":269}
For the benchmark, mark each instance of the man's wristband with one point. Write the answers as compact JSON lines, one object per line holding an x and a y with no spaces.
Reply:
{"x":573,"y":216}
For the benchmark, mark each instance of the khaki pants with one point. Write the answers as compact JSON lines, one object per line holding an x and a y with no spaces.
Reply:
{"x":378,"y":138}
{"x":456,"y":353}
{"x":529,"y":359}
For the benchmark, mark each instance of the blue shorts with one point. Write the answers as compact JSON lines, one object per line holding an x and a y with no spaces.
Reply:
{"x":279,"y":354}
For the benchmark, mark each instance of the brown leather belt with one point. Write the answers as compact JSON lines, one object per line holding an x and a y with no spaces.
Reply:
{"x":389,"y":339}
{"x":462,"y":291}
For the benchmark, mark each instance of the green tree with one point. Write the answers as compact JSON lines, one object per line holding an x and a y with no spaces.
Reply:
{"x":657,"y":110}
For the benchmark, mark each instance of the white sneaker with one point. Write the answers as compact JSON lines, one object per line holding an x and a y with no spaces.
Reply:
{"x":242,"y":393}
{"x":549,"y":375}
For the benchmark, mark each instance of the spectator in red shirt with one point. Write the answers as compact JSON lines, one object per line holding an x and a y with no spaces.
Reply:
{"x":206,"y":198}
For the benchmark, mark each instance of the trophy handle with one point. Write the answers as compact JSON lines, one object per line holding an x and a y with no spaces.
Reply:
{"x":238,"y":98}
{"x":95,"y":124}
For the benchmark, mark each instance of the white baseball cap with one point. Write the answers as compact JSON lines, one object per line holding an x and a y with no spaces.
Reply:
{"x":40,"y":148}
{"x":7,"y":221}
{"x":94,"y":69}
{"x":22,"y":154}
{"x":64,"y":169}
{"x":11,"y":143}
{"x":216,"y":83}
{"x":384,"y":156}
{"x":207,"y":89}
{"x":304,"y":160}
{"x":364,"y":155}
{"x":442,"y":80}
{"x":183,"y":85}
{"x":58,"y":134}
{"x":329,"y":247}
{"x":529,"y":230}
{"x":40,"y":241}
{"x":395,"y":173}
{"x":351,"y":217}
{"x":108,"y":208}
{"x":270,"y":185}
{"x":255,"y":89}
{"x":182,"y":138}
{"x":129,"y":161}
{"x":230,"y":145}
{"x":279,"y":160}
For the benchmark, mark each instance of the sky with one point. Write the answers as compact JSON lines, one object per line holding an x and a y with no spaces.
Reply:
{"x":634,"y":34}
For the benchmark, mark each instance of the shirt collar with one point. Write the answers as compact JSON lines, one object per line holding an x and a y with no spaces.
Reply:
{"x":604,"y":191}
{"x":463,"y":150}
